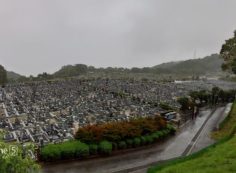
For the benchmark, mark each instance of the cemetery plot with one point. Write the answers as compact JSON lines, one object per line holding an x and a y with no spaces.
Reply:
{"x":53,"y":111}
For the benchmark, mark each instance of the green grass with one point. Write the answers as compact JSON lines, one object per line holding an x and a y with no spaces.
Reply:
{"x":227,"y":127}
{"x":217,"y":158}
{"x":209,"y":160}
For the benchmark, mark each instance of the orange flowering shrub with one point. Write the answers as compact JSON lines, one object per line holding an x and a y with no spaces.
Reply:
{"x":119,"y":131}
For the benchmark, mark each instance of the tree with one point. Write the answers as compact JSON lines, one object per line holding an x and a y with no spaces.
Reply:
{"x":13,"y":161}
{"x":165,"y":106}
{"x":215,"y":90}
{"x":185,"y":103}
{"x":72,"y":70}
{"x":3,"y":76}
{"x":136,"y":70}
{"x":215,"y":94}
{"x":228,"y":52}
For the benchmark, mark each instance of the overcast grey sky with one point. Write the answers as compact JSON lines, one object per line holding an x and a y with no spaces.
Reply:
{"x":43,"y":35}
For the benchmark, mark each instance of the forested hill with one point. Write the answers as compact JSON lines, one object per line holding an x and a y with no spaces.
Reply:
{"x":13,"y":76}
{"x":208,"y":65}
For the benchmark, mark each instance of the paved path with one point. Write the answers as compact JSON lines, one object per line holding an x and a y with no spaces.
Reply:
{"x":204,"y":139}
{"x":138,"y":161}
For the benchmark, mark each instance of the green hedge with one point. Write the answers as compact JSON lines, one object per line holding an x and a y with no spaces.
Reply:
{"x":149,"y":139}
{"x":105,"y":147}
{"x":76,"y":149}
{"x":136,"y":142}
{"x":155,"y":137}
{"x":114,"y":146}
{"x":143,"y":140}
{"x":66,"y":150}
{"x":122,"y":145}
{"x":93,"y":149}
{"x":129,"y":143}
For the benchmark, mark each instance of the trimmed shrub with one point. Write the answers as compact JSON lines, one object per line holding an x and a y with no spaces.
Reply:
{"x":114,"y":146}
{"x":171,"y":128}
{"x":155,"y":136}
{"x":93,"y":149}
{"x":81,"y":150}
{"x":149,"y":139}
{"x":161,"y":134}
{"x":166,"y":132}
{"x":143,"y":140}
{"x":136,"y":142}
{"x":105,"y":147}
{"x":120,"y":131}
{"x":122,"y":145}
{"x":50,"y":152}
{"x":66,"y":150}
{"x":129,"y":143}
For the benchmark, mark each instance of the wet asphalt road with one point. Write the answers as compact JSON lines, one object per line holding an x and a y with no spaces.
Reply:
{"x":171,"y":148}
{"x":204,"y":139}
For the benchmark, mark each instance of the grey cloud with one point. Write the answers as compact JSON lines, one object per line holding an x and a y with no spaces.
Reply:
{"x":42,"y":35}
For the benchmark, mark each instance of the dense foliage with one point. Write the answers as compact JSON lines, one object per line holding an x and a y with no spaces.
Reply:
{"x":72,"y":70}
{"x":105,"y":147}
{"x":203,"y":97}
{"x":3,"y":76}
{"x":185,"y":102}
{"x":216,"y":95}
{"x":120,"y":131}
{"x":66,"y":150}
{"x":165,"y":106}
{"x":228,"y":52}
{"x":12,"y":160}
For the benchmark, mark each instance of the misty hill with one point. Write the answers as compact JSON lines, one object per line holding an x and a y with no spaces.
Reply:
{"x":208,"y":65}
{"x":13,"y":76}
{"x":71,"y":70}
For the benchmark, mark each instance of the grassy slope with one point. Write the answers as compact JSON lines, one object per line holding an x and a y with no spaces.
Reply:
{"x":227,"y":126}
{"x":218,"y":158}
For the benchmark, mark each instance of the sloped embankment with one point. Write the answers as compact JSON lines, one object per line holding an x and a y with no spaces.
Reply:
{"x":220,"y":157}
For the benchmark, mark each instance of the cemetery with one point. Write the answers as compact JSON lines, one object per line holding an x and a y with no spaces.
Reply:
{"x":52,"y":112}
